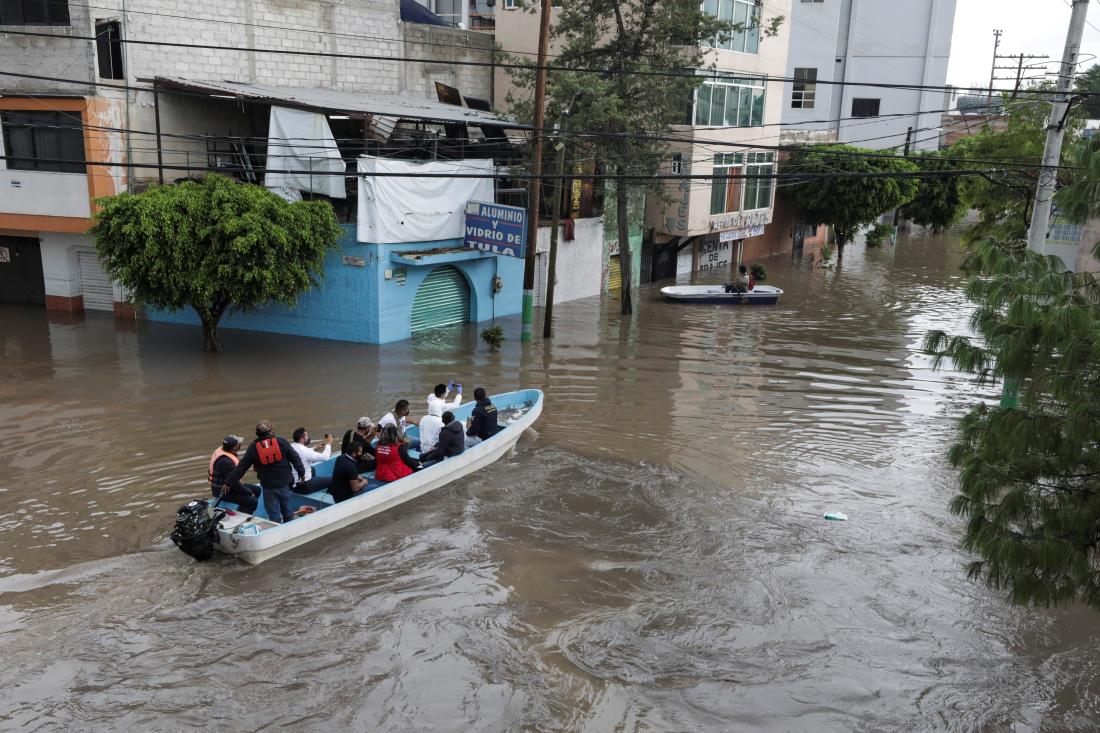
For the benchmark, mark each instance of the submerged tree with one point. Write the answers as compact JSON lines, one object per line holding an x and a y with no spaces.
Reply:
{"x":213,"y":245}
{"x":846,"y":187}
{"x":938,"y":203}
{"x":639,"y":48}
{"x":1029,"y":476}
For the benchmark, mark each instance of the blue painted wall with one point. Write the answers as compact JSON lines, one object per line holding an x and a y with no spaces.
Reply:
{"x":360,"y":304}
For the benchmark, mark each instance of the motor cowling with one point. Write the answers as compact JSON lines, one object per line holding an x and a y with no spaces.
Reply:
{"x":196,"y":530}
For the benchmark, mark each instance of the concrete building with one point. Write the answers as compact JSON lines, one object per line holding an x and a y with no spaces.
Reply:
{"x":710,"y":226}
{"x":119,"y":116}
{"x":853,"y":41}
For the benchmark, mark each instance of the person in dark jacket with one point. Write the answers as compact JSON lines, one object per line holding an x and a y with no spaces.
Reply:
{"x":483,"y":422}
{"x":222,"y":463}
{"x":451,"y":440}
{"x":273,"y":458}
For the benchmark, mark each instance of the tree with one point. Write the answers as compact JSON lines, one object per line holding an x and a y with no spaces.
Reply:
{"x":1029,"y":476}
{"x":634,"y":98}
{"x":1090,"y":82}
{"x":214,"y":245}
{"x":938,"y":203}
{"x":847,"y":204}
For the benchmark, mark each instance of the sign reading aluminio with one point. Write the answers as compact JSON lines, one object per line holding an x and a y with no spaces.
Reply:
{"x":494,"y":228}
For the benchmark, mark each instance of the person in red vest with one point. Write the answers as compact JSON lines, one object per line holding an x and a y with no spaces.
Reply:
{"x":273,"y":458}
{"x":394,"y":461}
{"x":222,"y":462}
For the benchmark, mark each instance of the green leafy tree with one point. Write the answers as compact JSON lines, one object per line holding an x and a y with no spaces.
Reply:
{"x":213,"y":245}
{"x":634,"y":99}
{"x":847,"y":204}
{"x":938,"y":203}
{"x":1090,"y":82}
{"x":1029,"y":476}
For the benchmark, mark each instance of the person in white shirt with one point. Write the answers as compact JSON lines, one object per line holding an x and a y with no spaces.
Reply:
{"x":310,"y":456}
{"x":439,"y":397}
{"x":430,"y":425}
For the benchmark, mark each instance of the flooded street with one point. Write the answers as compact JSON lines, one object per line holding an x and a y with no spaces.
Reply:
{"x":655,"y":559}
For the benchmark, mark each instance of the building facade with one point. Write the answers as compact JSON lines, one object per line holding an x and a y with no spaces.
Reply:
{"x":837,"y":43}
{"x":85,"y":114}
{"x":704,"y":226}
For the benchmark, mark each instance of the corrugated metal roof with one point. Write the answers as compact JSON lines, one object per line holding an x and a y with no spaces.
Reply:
{"x":336,"y":100}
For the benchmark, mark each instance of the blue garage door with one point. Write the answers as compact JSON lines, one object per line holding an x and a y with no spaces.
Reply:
{"x":442,"y":299}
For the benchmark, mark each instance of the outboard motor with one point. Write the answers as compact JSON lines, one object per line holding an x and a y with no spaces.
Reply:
{"x":196,"y":530}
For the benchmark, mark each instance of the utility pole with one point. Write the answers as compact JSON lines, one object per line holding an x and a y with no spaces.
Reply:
{"x":993,"y":71}
{"x":528,"y":318}
{"x":1056,"y":129}
{"x":552,"y":271}
{"x":897,"y":211}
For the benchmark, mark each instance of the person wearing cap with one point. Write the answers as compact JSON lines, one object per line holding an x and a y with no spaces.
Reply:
{"x":310,"y":456}
{"x":275,"y":461}
{"x":222,"y":462}
{"x":364,"y":434}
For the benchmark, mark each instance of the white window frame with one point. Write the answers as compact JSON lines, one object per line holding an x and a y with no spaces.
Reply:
{"x":751,"y":93}
{"x":804,"y":89}
{"x":736,"y":11}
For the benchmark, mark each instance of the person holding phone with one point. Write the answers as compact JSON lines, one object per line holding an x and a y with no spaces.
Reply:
{"x":311,"y":456}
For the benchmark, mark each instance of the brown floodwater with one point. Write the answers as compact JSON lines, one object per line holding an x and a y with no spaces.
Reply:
{"x":654,"y":559}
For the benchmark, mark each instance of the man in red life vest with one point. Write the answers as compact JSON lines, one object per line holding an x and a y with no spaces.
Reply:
{"x":222,"y":462}
{"x":273,"y":458}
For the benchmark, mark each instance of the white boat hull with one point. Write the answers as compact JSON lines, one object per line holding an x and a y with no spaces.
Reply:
{"x":275,"y":539}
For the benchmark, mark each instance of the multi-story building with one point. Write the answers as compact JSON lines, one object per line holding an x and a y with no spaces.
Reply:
{"x":711,"y":225}
{"x":100,"y":99}
{"x":836,"y":44}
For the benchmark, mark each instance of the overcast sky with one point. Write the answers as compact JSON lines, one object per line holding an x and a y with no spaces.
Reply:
{"x":1030,"y":27}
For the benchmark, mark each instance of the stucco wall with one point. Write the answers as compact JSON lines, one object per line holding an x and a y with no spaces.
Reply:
{"x":360,"y":304}
{"x":443,"y":46}
{"x":579,"y":264}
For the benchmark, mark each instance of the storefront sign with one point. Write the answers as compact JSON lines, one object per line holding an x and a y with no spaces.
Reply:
{"x":732,"y":235}
{"x":740,"y":221}
{"x":494,"y":228}
{"x":714,"y":256}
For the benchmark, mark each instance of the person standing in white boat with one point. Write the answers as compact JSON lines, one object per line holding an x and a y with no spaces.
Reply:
{"x":275,"y":463}
{"x":439,"y":397}
{"x":311,"y":456}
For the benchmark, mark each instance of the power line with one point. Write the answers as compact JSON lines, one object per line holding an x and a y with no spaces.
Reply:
{"x":674,"y":72}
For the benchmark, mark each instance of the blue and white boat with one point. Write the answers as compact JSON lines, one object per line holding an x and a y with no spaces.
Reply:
{"x":760,"y":295}
{"x":253,"y":538}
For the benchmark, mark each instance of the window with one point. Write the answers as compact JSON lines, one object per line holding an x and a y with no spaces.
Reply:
{"x":758,"y":191}
{"x":745,"y":14}
{"x":865,"y":107}
{"x":729,"y":194}
{"x":730,"y":101}
{"x":677,"y":164}
{"x":805,"y":88}
{"x":509,"y":4}
{"x":108,"y":49}
{"x":813,"y":1}
{"x":34,"y":12}
{"x":43,"y":141}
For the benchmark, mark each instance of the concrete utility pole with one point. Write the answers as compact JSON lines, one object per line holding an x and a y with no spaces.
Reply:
{"x":552,"y":272}
{"x":1056,"y":129}
{"x":528,"y":318}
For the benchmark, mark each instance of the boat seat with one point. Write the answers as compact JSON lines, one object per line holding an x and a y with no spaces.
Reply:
{"x":322,"y":496}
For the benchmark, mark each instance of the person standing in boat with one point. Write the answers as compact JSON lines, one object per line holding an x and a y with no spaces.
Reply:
{"x":392,"y":454}
{"x":310,"y":456}
{"x":483,"y":422}
{"x":275,"y":461}
{"x":439,"y":397}
{"x":222,"y":463}
{"x":364,"y":434}
{"x":451,"y":440}
{"x":346,"y":481}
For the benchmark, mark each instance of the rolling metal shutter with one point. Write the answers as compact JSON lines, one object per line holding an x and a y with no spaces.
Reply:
{"x":95,"y":286}
{"x":614,"y":273}
{"x":442,"y":299}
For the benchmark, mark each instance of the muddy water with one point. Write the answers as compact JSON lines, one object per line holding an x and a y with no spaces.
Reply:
{"x":654,"y":560}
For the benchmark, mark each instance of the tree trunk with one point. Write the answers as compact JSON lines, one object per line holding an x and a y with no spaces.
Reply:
{"x":210,"y":341}
{"x":625,"y":260}
{"x":839,"y":250}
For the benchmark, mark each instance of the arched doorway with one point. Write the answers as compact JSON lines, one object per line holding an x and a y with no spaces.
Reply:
{"x":442,"y":299}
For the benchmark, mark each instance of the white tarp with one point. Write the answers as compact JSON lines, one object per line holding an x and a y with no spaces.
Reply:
{"x":301,"y":143}
{"x":411,"y":209}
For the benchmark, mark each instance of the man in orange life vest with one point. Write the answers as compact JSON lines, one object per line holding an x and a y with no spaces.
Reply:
{"x":273,"y":458}
{"x":222,"y":463}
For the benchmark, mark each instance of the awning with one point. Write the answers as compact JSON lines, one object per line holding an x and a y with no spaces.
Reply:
{"x":343,"y":102}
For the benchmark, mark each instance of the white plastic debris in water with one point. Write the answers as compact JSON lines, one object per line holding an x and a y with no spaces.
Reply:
{"x":836,"y":516}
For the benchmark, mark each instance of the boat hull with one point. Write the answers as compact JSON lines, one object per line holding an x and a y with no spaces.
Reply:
{"x":277,"y":539}
{"x":713,"y":294}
